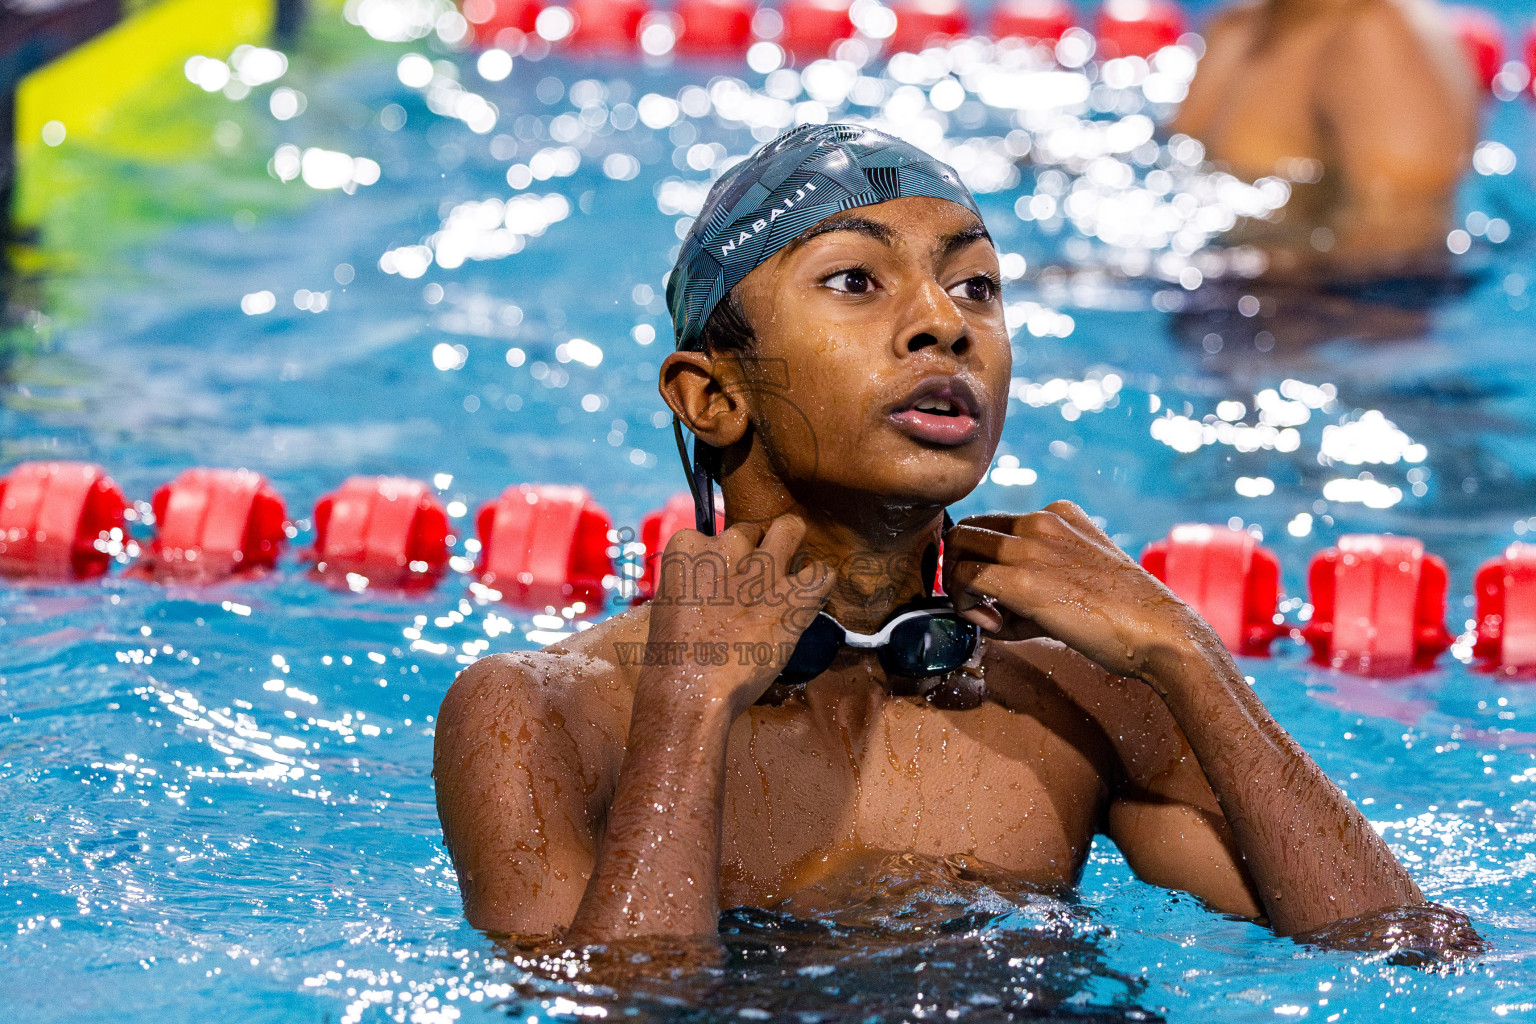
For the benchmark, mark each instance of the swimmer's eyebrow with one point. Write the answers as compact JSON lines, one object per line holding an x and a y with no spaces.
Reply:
{"x":874,"y":229}
{"x":960,"y":239}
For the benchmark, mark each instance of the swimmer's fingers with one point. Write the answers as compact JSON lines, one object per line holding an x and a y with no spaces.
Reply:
{"x":994,"y":597}
{"x":802,"y":583}
{"x":802,"y":596}
{"x":809,"y":581}
{"x":740,"y":541}
{"x":967,"y":542}
{"x":996,"y":522}
{"x":1059,"y":536}
{"x":691,"y":556}
{"x":1070,"y":512}
{"x":812,"y":583}
{"x":1060,"y":520}
{"x":1054,"y":514}
{"x":780,"y":541}
{"x":1018,"y":547}
{"x":685,"y":541}
{"x":968,"y":589}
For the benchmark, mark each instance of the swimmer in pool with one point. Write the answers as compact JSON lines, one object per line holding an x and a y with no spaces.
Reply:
{"x":1375,"y":96}
{"x":795,"y":703}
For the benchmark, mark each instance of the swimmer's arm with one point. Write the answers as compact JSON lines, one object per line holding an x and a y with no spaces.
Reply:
{"x":548,"y":839}
{"x":1229,"y":36}
{"x":516,"y":793}
{"x":1399,"y":109}
{"x":658,"y":865}
{"x":658,"y":872}
{"x":1162,"y":814}
{"x":1182,"y":846}
{"x":1312,"y":856}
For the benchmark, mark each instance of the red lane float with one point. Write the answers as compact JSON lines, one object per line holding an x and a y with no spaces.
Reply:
{"x":1482,"y":39}
{"x":489,"y":18}
{"x":655,"y":530}
{"x":1506,"y":609}
{"x":545,"y":545}
{"x":390,"y":530}
{"x":1226,"y":577}
{"x":713,"y":28}
{"x":606,"y":26}
{"x":813,"y":27}
{"x":1530,"y":55}
{"x":1378,"y":605}
{"x":1035,"y":20}
{"x":56,"y":520}
{"x":920,"y":23}
{"x":1138,"y":28}
{"x":213,"y":523}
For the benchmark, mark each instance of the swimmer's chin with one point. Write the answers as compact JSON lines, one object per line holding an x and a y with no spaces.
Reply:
{"x":924,"y":475}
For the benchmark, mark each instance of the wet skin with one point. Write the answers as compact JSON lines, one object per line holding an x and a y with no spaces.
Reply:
{"x":588,"y":797}
{"x":1377,"y":92}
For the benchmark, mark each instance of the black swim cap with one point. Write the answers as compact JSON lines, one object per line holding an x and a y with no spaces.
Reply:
{"x":799,"y":179}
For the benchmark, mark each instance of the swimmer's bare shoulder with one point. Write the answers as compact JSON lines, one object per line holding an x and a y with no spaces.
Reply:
{"x":1230,"y":36}
{"x":1393,"y":72}
{"x":527,"y":756}
{"x":1397,"y":98}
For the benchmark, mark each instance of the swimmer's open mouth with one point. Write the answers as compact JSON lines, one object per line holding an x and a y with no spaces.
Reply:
{"x":941,"y":411}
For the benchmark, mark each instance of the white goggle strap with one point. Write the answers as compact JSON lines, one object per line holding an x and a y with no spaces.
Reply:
{"x":868,"y":641}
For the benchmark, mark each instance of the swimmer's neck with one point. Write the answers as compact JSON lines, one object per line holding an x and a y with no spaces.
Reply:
{"x":878,"y":549}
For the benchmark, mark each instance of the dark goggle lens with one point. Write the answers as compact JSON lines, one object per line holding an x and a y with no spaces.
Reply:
{"x":929,"y":646}
{"x":816,"y":650}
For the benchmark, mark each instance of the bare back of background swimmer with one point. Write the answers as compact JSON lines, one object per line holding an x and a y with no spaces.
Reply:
{"x":1376,"y":95}
{"x":596,"y":796}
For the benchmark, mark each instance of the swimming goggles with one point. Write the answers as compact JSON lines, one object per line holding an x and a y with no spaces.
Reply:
{"x":925,"y":637}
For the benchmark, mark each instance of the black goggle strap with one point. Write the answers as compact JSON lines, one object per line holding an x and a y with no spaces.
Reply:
{"x":815,"y":651}
{"x":700,"y":484}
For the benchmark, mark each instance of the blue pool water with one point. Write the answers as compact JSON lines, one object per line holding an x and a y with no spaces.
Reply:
{"x":219,"y":798}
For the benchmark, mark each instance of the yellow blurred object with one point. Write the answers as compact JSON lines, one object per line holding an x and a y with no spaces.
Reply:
{"x":87,"y":87}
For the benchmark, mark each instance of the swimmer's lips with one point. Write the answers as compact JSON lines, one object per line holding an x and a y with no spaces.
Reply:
{"x":948,"y":416}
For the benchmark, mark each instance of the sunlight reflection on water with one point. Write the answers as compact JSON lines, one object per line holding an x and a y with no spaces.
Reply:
{"x":227,"y":797}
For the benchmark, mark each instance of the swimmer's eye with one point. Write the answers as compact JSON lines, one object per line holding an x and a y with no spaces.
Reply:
{"x":853,"y":281}
{"x":981,"y":288}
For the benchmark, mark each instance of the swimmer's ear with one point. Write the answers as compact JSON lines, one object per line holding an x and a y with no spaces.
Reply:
{"x":692,"y":384}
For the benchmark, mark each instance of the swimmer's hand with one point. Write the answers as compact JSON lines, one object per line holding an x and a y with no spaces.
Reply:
{"x":1055,"y":573}
{"x":728,"y":611}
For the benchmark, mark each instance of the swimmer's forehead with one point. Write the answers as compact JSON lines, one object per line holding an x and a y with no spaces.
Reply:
{"x":865,"y":221}
{"x":806,"y":176}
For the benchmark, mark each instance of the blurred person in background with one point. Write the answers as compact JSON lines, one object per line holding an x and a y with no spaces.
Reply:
{"x":1370,"y":107}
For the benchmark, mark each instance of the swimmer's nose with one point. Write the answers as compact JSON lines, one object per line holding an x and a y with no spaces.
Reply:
{"x":932,"y":320}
